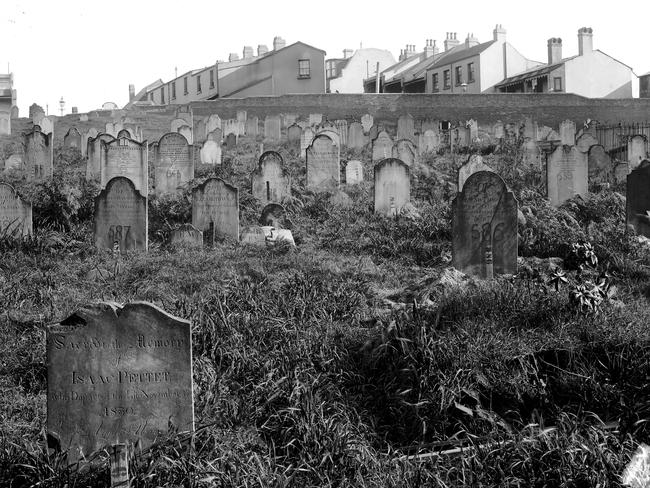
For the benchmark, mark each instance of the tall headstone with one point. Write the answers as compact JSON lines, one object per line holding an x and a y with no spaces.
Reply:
{"x":94,"y":155}
{"x":72,"y":138}
{"x":568,"y":133}
{"x":367,"y":121}
{"x":406,"y":127}
{"x":405,"y":151}
{"x":187,"y":235}
{"x":341,"y":126}
{"x":252,"y":127}
{"x":15,"y":214}
{"x":323,"y":164}
{"x":272,"y":128}
{"x":392,"y":186}
{"x":382,"y":147}
{"x":484,"y":226}
{"x":636,"y":150}
{"x":121,"y":220}
{"x":85,"y":137}
{"x":430,"y":141}
{"x":305,"y":140}
{"x":356,"y":137}
{"x":39,"y":155}
{"x":118,"y":374}
{"x":294,"y":131}
{"x":638,"y":199}
{"x":173,"y":163}
{"x":270,"y":182}
{"x":473,"y":165}
{"x":566,"y":174}
{"x":242,"y":116}
{"x":125,"y":157}
{"x":353,"y":172}
{"x":215,"y":209}
{"x":211,"y":153}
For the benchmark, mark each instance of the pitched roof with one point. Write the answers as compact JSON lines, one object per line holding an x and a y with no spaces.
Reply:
{"x":459,"y":53}
{"x":418,"y":71}
{"x":533,"y":72}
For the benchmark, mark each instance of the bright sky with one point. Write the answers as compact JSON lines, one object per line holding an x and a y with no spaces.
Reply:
{"x":88,"y":52}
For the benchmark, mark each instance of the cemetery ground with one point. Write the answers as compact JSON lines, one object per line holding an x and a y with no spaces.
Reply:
{"x":337,"y":362}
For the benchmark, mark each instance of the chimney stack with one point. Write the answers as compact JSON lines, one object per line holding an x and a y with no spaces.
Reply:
{"x":248,"y":52}
{"x":410,"y":50}
{"x":233,"y":57}
{"x":585,"y":40}
{"x":471,"y":41}
{"x":554,"y":50}
{"x":430,"y":48}
{"x":347,"y":53}
{"x":451,"y":41}
{"x":499,"y":33}
{"x":131,"y":92}
{"x":278,"y":43}
{"x":262,"y":49}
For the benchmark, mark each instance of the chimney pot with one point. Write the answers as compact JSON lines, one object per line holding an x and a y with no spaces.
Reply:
{"x":554,"y":50}
{"x":585,"y":40}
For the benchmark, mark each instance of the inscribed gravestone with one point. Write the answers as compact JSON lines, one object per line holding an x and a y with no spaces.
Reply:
{"x":252,"y":127}
{"x":173,"y":163}
{"x":323,"y":164}
{"x":392,"y":186}
{"x":568,"y":133}
{"x":406,"y":127}
{"x":272,"y":128}
{"x":211,"y":153}
{"x":274,"y":215}
{"x":484,"y":215}
{"x":188,"y":235}
{"x":294,"y":131}
{"x":39,"y":156}
{"x":599,"y":163}
{"x":72,"y":138}
{"x":341,"y":126}
{"x":315,"y":119}
{"x":305,"y":140}
{"x":621,"y":170}
{"x":47,"y":125}
{"x":636,"y":150}
{"x":34,"y":111}
{"x":356,"y":137}
{"x":366,"y":122}
{"x":231,"y":141}
{"x":566,"y":174}
{"x":269,"y":181}
{"x":215,"y":209}
{"x":121,"y":219}
{"x":95,"y":155}
{"x":242,"y":116}
{"x":353,"y":172}
{"x":382,"y":147}
{"x":473,"y":165}
{"x":186,"y":132}
{"x":15,"y":214}
{"x":253,"y":235}
{"x":430,"y":141}
{"x":230,"y":126}
{"x":405,"y":151}
{"x":125,"y":157}
{"x":118,"y":374}
{"x":638,"y":199}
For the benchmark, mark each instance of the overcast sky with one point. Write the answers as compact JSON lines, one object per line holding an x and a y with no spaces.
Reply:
{"x":88,"y":52}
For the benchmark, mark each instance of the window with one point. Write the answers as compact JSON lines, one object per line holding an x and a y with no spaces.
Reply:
{"x":470,"y":73}
{"x":434,"y":82}
{"x":198,"y":84}
{"x":151,"y":96}
{"x":446,"y":79}
{"x":331,"y":69}
{"x":211,"y":79}
{"x":185,"y":86}
{"x":173,"y":90}
{"x":557,"y":84}
{"x":459,"y":75}
{"x":162,"y":95}
{"x":304,"y":69}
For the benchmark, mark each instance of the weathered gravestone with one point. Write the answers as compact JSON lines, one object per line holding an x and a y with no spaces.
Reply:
{"x":177,"y":124}
{"x":128,"y":158}
{"x":241,"y":116}
{"x":216,"y":135}
{"x":125,"y":133}
{"x":429,"y":141}
{"x":331,"y":133}
{"x":213,"y":122}
{"x":39,"y":155}
{"x":253,"y":235}
{"x":15,"y":112}
{"x":366,"y":122}
{"x":231,"y":141}
{"x":599,"y":164}
{"x":187,"y":235}
{"x":484,"y":226}
{"x":121,"y":220}
{"x":531,"y":152}
{"x":323,"y":164}
{"x":200,"y":134}
{"x":472,"y":130}
{"x":406,"y":128}
{"x":15,"y":214}
{"x":47,"y":125}
{"x":272,"y":128}
{"x":528,"y":129}
{"x":373,"y":133}
{"x":392,"y":186}
{"x":356,"y":137}
{"x":566,"y":174}
{"x":72,"y":138}
{"x":315,"y":119}
{"x":270,"y":182}
{"x":429,"y":123}
{"x":252,"y":127}
{"x":274,"y":215}
{"x":568,"y":133}
{"x":13,"y":163}
{"x":638,"y":199}
{"x":95,"y":154}
{"x":83,"y":118}
{"x":117,"y":374}
{"x":288,"y":119}
{"x":305,"y":140}
{"x":231,"y":126}
{"x":382,"y":147}
{"x":621,"y":170}
{"x":5,"y":123}
{"x":215,"y":209}
{"x":498,"y":130}
{"x":353,"y":173}
{"x":173,"y":163}
{"x":186,"y":132}
{"x":585,"y":142}
{"x":34,"y":111}
{"x":636,"y":150}
{"x":473,"y":165}
{"x":405,"y":151}
{"x":294,"y":131}
{"x":341,"y":126}
{"x":185,"y":112}
{"x":211,"y":152}
{"x":85,"y":137}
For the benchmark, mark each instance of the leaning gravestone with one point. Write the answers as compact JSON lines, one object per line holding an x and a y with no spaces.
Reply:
{"x":566,"y":174}
{"x":187,"y":235}
{"x":215,"y":209}
{"x":117,"y":374}
{"x":473,"y":165}
{"x":636,"y":150}
{"x":366,"y":122}
{"x":173,"y":163}
{"x":272,"y":128}
{"x":270,"y":182}
{"x":405,"y":151}
{"x":128,"y":158}
{"x":406,"y":128}
{"x":210,"y":153}
{"x":39,"y":155}
{"x":567,"y":133}
{"x":356,"y":137}
{"x":638,"y":199}
{"x":121,"y":219}
{"x":323,"y":164}
{"x":392,"y":186}
{"x":305,"y":140}
{"x":382,"y":147}
{"x":353,"y":173}
{"x":72,"y":138}
{"x":15,"y":214}
{"x":585,"y":142}
{"x":274,"y":215}
{"x":484,"y":220}
{"x":94,"y":155}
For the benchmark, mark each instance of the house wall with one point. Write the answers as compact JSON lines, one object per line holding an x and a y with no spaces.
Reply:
{"x":594,"y":74}
{"x":192,"y":91}
{"x":474,"y":87}
{"x":360,"y":66}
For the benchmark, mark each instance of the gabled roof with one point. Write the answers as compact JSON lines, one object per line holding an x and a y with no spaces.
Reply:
{"x":459,"y":53}
{"x":419,"y":70}
{"x":401,"y":64}
{"x":534,"y":72}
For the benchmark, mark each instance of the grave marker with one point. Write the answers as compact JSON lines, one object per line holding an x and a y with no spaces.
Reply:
{"x":15,"y":214}
{"x":473,"y":165}
{"x":173,"y":163}
{"x":356,"y":137}
{"x":272,"y":128}
{"x":621,"y":170}
{"x":294,"y":131}
{"x":566,"y":172}
{"x":341,"y":127}
{"x":252,"y":127}
{"x":354,"y":173}
{"x":39,"y":155}
{"x":406,"y":128}
{"x":187,"y":235}
{"x":637,"y":210}
{"x":211,"y":153}
{"x":599,"y":164}
{"x":95,"y":155}
{"x":430,"y":141}
{"x":567,"y":133}
{"x":215,"y":209}
{"x":270,"y":182}
{"x":323,"y":164}
{"x":636,"y":150}
{"x":315,"y":119}
{"x":125,"y":157}
{"x":213,"y":122}
{"x":274,"y":215}
{"x":72,"y":138}
{"x":382,"y":147}
{"x":366,"y":122}
{"x":231,"y":141}
{"x":405,"y":151}
{"x":305,"y":140}
{"x":392,"y":186}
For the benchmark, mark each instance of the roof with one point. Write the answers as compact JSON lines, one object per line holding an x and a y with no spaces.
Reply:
{"x":533,"y":73}
{"x":418,"y":71}
{"x":461,"y":52}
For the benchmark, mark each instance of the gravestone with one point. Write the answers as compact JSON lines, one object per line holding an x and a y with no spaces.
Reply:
{"x":39,"y":155}
{"x":566,"y":173}
{"x":121,"y":220}
{"x":272,"y":128}
{"x":14,"y":163}
{"x":186,"y":132}
{"x":599,"y":164}
{"x":531,"y":153}
{"x":382,"y":147}
{"x":472,"y":129}
{"x":288,"y":119}
{"x":94,"y":155}
{"x":215,"y":209}
{"x":5,"y":123}
{"x":72,"y":138}
{"x":429,"y":123}
{"x":323,"y":164}
{"x":638,"y":199}
{"x":173,"y":163}
{"x":15,"y":214}
{"x":213,"y":122}
{"x":529,"y":129}
{"x":406,"y":128}
{"x":231,"y":141}
{"x":117,"y":374}
{"x":125,"y":133}
{"x":274,"y":215}
{"x":305,"y":140}
{"x":621,"y":170}
{"x":83,"y":118}
{"x":498,"y":130}
{"x":186,"y":235}
{"x":356,"y":137}
{"x":125,"y":157}
{"x":47,"y":125}
{"x":636,"y":150}
{"x":34,"y":111}
{"x":200,"y":134}
{"x":484,"y":219}
{"x":392,"y":186}
{"x":373,"y":133}
{"x":185,"y":112}
{"x":585,"y":142}
{"x":315,"y":119}
{"x":242,"y":116}
{"x":85,"y":137}
{"x":177,"y":124}
{"x":462,"y":137}
{"x":269,"y":181}
{"x":405,"y":151}
{"x":567,"y":133}
{"x":354,"y":173}
{"x":294,"y":132}
{"x":252,"y":127}
{"x":430,"y":141}
{"x":366,"y":122}
{"x":253,"y":235}
{"x":230,"y":126}
{"x":473,"y":165}
{"x":216,"y":135}
{"x":211,"y":153}
{"x":341,"y":127}
{"x":109,"y":128}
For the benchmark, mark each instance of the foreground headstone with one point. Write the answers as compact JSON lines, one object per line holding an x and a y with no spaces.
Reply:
{"x":215,"y":209}
{"x":638,"y":199}
{"x":354,"y":173}
{"x":566,"y":174}
{"x":128,"y":158}
{"x":484,"y":227}
{"x":270,"y":182}
{"x":117,"y":374}
{"x":187,"y":235}
{"x":121,"y":220}
{"x":382,"y":147}
{"x":473,"y":165}
{"x":95,"y":155}
{"x":173,"y":163}
{"x":323,"y":164}
{"x":15,"y":214}
{"x":39,"y":155}
{"x":392,"y":186}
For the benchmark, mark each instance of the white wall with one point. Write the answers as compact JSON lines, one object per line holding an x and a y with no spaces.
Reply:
{"x":361,"y":65}
{"x":597,"y":75}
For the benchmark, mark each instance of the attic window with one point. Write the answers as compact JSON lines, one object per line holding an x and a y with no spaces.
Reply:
{"x":304,"y":69}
